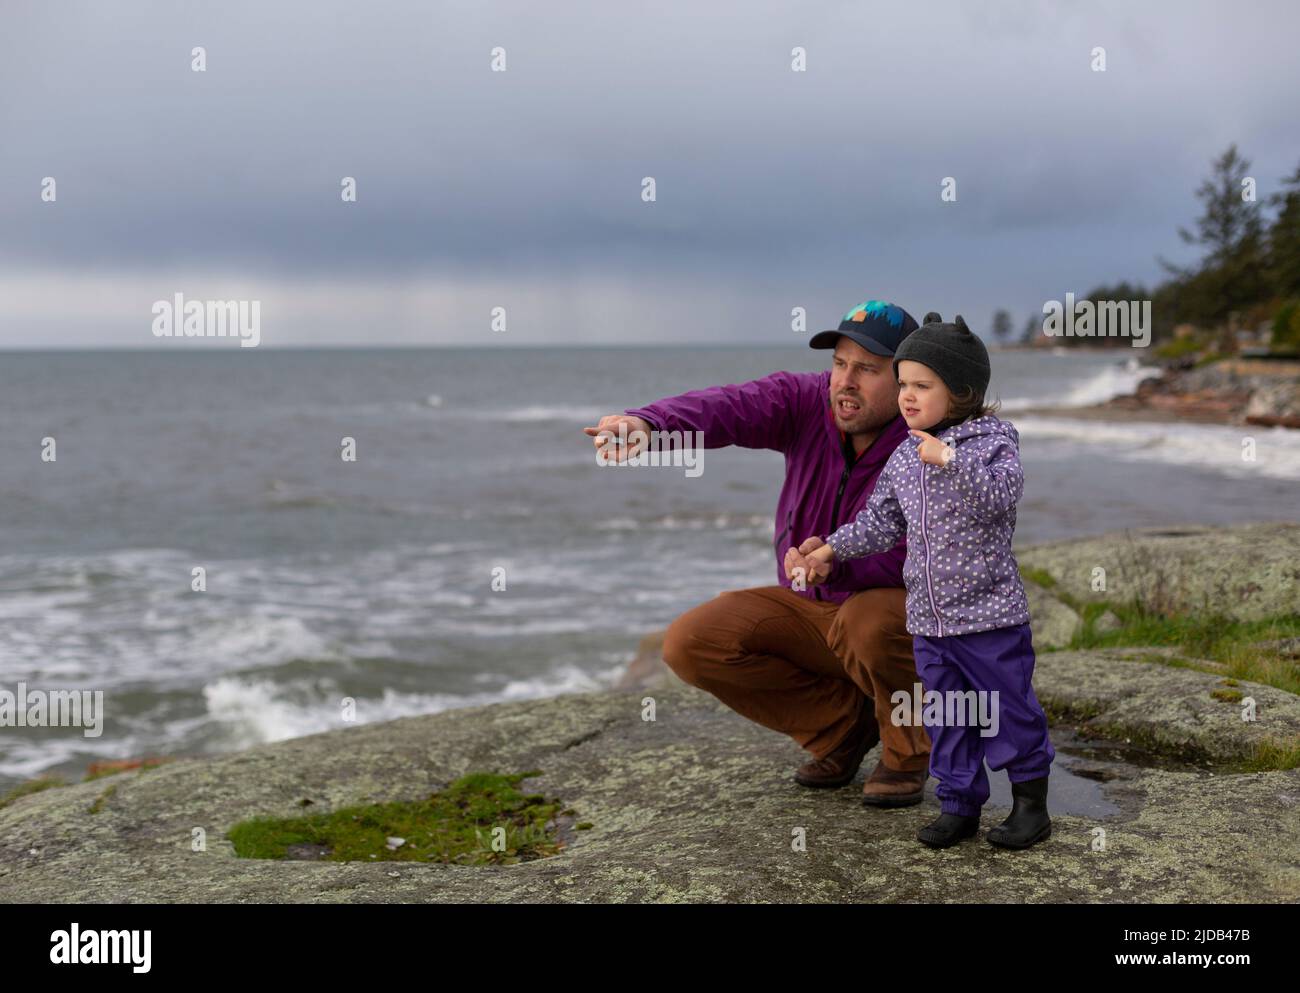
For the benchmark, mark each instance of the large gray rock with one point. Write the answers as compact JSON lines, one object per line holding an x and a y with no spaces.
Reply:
{"x":1246,"y":572}
{"x":1168,"y":710}
{"x":696,"y":806}
{"x":1052,"y":622}
{"x":1278,"y":403}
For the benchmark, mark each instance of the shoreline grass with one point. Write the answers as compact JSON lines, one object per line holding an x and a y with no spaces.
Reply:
{"x":1238,"y":649}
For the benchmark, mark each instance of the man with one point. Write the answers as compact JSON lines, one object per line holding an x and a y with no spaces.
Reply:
{"x":818,"y":663}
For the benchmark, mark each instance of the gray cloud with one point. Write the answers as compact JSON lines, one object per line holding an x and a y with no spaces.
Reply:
{"x":774,"y":188}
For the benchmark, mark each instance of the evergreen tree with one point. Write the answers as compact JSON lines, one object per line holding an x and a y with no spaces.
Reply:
{"x":1284,"y":239}
{"x":1230,"y":276}
{"x":1001,"y":326}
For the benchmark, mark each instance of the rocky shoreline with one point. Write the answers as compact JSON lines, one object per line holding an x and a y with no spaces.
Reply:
{"x":1239,"y":391}
{"x":698,"y":804}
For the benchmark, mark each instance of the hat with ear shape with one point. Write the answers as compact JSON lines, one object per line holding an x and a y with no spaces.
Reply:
{"x":953,"y":351}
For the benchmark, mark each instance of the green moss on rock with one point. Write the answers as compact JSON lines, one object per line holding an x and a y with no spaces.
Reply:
{"x":29,"y":787}
{"x":98,"y":805}
{"x":478,"y":819}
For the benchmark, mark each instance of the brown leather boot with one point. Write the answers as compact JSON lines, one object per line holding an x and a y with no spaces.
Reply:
{"x":887,"y":787}
{"x":841,"y":765}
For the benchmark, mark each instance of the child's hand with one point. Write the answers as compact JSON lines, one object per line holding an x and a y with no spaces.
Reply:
{"x":813,"y":557}
{"x":932,"y":450}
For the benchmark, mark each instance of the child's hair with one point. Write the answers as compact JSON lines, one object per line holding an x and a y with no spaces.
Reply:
{"x":970,"y":404}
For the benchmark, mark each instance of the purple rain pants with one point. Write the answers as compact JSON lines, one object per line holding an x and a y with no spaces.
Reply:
{"x":1003,"y":660}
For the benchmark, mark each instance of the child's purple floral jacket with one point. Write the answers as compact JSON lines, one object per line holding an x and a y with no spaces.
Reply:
{"x":960,"y":573}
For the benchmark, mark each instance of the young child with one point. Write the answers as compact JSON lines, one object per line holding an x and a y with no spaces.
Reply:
{"x":952,"y":487}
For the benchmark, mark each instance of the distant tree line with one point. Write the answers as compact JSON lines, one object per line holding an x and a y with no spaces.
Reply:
{"x":1248,"y":275}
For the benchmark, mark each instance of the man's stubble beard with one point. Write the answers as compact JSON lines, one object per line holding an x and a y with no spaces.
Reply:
{"x":870,"y":421}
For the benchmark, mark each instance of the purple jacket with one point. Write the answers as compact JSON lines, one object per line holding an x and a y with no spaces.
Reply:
{"x":960,"y":572}
{"x":791,"y":413}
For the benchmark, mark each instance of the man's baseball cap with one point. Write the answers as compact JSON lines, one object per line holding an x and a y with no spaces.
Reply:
{"x":877,"y":326}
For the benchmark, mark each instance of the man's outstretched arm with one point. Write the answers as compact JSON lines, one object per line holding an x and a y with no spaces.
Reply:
{"x":762,"y":413}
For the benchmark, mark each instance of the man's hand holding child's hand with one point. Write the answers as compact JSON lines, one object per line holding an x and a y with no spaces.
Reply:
{"x":813,"y":557}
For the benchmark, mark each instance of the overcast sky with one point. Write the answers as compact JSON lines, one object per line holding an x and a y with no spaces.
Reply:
{"x":522,"y":189}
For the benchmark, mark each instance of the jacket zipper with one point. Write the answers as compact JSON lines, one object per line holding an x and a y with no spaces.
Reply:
{"x":789,"y":523}
{"x":839,"y":494}
{"x":925,"y":537}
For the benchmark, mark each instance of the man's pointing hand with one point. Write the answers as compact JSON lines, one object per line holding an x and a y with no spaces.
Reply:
{"x":613,"y":429}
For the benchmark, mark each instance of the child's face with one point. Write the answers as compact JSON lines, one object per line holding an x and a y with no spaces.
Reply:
{"x":922,"y":396}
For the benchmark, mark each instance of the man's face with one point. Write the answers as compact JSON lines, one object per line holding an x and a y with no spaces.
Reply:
{"x":864,"y":394}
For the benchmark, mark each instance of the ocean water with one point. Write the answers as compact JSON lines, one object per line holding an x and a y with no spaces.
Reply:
{"x":373,"y":579}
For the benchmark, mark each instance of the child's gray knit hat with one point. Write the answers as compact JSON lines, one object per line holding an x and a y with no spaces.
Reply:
{"x":951,"y":350}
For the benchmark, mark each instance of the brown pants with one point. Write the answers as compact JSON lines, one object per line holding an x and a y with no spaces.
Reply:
{"x":801,"y":666}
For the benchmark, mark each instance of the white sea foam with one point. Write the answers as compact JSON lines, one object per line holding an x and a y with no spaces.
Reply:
{"x":1104,"y":384}
{"x":259,"y":641}
{"x":254,"y":710}
{"x":1018,"y":403}
{"x":1112,"y":381}
{"x":535,"y":412}
{"x":1217,"y":448}
{"x":686,"y":522}
{"x":498,"y":628}
{"x":585,"y":415}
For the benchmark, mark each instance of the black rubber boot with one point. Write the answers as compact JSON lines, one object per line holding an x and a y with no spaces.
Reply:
{"x":1028,"y":823}
{"x":948,"y":829}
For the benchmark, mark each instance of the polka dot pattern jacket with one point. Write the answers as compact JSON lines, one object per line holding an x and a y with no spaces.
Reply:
{"x":960,"y":573}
